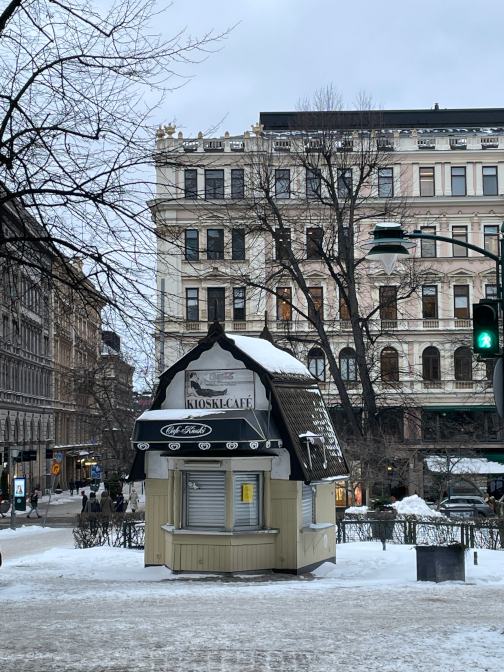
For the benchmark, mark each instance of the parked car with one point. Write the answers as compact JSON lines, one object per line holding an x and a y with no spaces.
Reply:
{"x":458,"y":502}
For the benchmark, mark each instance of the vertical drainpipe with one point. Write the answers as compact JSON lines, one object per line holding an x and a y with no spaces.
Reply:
{"x":161,"y":365}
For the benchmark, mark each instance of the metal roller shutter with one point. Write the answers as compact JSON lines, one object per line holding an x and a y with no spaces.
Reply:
{"x":307,"y":504}
{"x":246,"y":513}
{"x":206,"y":499}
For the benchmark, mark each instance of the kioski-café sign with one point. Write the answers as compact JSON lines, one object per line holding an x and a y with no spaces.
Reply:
{"x":226,"y":389}
{"x":185,"y":430}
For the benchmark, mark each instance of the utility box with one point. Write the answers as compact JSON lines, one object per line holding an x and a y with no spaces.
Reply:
{"x":440,"y":563}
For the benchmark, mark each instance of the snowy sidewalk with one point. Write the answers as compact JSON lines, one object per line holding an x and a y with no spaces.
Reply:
{"x":101,"y":609}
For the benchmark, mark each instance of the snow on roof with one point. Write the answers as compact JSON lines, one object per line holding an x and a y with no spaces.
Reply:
{"x":464,"y":465}
{"x":178,"y":414}
{"x":269,"y":356}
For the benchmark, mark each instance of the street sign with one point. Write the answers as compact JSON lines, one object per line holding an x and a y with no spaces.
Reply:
{"x":56,"y":468}
{"x":96,"y":471}
{"x":59,"y":457}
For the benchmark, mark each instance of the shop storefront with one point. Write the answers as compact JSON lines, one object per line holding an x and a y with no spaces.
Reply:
{"x":239,"y":456}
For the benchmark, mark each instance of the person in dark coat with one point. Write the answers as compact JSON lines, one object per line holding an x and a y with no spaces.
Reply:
{"x":106,"y":503}
{"x":71,"y":485}
{"x":119,"y":503}
{"x":34,"y":504}
{"x":84,"y":500}
{"x":92,"y":504}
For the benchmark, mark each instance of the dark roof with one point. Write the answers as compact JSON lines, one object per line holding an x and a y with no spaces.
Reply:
{"x":302,"y":410}
{"x":491,"y":117}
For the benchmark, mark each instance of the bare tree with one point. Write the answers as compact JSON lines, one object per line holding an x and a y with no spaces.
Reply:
{"x":305,"y":213}
{"x":78,"y":85}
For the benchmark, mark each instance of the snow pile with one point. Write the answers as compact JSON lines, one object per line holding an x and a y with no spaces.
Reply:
{"x":357,"y":510}
{"x":414,"y":506}
{"x":25,"y":530}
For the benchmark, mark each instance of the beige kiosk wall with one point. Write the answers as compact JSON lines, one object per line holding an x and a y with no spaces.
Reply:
{"x":156,"y":508}
{"x":296,"y":548}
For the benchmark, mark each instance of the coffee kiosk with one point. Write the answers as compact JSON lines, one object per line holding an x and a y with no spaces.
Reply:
{"x":239,"y":457}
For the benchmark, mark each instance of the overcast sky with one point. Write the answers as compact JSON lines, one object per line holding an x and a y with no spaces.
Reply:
{"x":406,"y":55}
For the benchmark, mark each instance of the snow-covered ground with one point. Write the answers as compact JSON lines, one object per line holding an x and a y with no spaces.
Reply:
{"x":100,"y":609}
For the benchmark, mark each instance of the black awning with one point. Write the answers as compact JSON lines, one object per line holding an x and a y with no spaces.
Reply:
{"x":137,"y":471}
{"x":187,"y":430}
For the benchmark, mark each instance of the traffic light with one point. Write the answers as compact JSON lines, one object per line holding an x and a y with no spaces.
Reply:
{"x":486,"y":328}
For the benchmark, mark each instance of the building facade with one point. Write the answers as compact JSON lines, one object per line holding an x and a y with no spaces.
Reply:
{"x":26,"y":347}
{"x":444,"y":172}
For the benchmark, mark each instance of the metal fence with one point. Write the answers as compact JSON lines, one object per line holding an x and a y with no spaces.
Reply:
{"x":473,"y":534}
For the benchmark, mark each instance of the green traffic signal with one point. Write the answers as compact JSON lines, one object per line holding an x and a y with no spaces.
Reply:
{"x":486,"y":328}
{"x":485,"y":340}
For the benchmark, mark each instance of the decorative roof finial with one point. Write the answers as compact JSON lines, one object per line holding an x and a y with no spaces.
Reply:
{"x":257,"y":128}
{"x":170,"y":130}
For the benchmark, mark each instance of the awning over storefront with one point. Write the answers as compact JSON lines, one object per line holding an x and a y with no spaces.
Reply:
{"x":186,"y":430}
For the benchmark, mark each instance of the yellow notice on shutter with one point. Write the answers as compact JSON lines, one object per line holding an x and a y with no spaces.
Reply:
{"x":248,"y":492}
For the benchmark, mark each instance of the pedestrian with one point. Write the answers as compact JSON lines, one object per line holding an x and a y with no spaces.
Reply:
{"x":71,"y":485}
{"x":119,"y":503}
{"x":84,"y":500}
{"x":134,"y":500}
{"x":92,"y":504}
{"x":106,"y":503}
{"x":34,"y":505}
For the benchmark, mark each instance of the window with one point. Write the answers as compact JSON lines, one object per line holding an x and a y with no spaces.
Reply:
{"x":385,"y":182}
{"x":431,"y":368}
{"x":462,"y":360}
{"x":238,"y":303}
{"x":238,"y":243}
{"x":308,"y":505}
{"x":343,"y":307}
{"x":216,"y":303}
{"x":191,"y":183}
{"x":348,"y":364}
{"x":429,"y":302}
{"x":247,"y":497}
{"x":428,"y":247}
{"x":282,"y":183}
{"x":317,"y":297}
{"x":282,"y":244}
{"x":313,"y":183}
{"x":345,"y":182}
{"x":489,"y":180}
{"x":461,"y":426}
{"x":316,"y":363}
{"x":191,"y":245}
{"x":388,"y":303}
{"x":461,"y":302}
{"x":314,"y":238}
{"x":490,"y":291}
{"x":389,"y":364}
{"x":392,"y":423}
{"x":237,"y":183}
{"x":214,"y":184}
{"x":215,"y":243}
{"x":284,"y":303}
{"x":459,"y":233}
{"x":426,"y":181}
{"x":491,"y":236}
{"x":205,"y":500}
{"x":458,"y":181}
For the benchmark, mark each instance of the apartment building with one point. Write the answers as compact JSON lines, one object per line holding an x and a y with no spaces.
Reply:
{"x":441,"y":171}
{"x":26,"y":353}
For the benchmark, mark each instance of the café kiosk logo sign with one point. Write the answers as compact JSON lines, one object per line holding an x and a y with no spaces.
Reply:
{"x":186,"y":430}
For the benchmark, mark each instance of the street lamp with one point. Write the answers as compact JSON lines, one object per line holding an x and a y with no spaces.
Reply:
{"x":14,"y":452}
{"x":388,"y":245}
